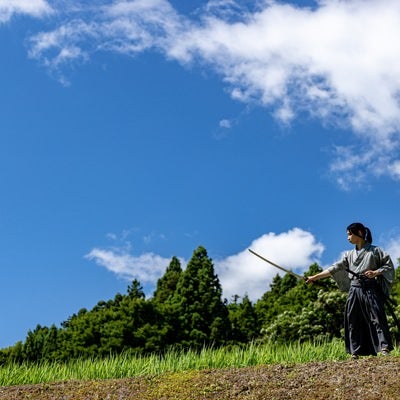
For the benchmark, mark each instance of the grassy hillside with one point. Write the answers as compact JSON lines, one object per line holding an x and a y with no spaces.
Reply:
{"x":298,"y":371}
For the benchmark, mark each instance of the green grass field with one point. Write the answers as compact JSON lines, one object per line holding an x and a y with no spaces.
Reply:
{"x":125,"y":365}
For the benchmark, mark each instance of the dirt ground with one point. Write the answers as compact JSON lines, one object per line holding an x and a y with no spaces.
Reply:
{"x":367,"y":378}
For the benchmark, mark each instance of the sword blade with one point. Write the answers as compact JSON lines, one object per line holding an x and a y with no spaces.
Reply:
{"x":277,"y":266}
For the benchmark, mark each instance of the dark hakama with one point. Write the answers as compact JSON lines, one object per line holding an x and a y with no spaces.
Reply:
{"x":365,"y":322}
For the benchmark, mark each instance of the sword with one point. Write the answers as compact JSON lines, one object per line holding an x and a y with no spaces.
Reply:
{"x":277,"y":266}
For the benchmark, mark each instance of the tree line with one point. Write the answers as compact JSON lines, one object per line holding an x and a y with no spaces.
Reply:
{"x":187,"y":311}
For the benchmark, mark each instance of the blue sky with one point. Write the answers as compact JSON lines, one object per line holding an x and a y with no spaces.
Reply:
{"x":134,"y":131}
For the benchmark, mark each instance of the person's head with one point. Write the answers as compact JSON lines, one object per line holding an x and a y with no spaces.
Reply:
{"x":358,"y":230}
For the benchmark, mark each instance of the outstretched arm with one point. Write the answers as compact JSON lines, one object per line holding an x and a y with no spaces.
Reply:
{"x":324,"y":274}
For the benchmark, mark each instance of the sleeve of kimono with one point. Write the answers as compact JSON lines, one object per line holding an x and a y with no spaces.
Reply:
{"x":385,"y":262}
{"x":340,"y":265}
{"x":339,"y":273}
{"x":386,"y":268}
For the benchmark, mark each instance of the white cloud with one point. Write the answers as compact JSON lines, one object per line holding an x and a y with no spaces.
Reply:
{"x":146,"y":268}
{"x":338,"y":61}
{"x":62,"y":46}
{"x":238,"y":274}
{"x":225,"y":123}
{"x":245,"y":273}
{"x":349,"y":164}
{"x":34,"y":8}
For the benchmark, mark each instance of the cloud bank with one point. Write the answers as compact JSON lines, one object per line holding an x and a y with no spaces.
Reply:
{"x":336,"y":62}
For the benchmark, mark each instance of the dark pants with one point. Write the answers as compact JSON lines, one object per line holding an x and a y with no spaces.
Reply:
{"x":365,"y":323}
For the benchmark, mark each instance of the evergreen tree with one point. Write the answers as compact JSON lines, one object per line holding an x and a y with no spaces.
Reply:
{"x":12,"y":354}
{"x":203,"y":316}
{"x":163,"y":300}
{"x":41,"y":344}
{"x":135,"y":290}
{"x":166,"y":285}
{"x":112,"y":326}
{"x":243,"y":320}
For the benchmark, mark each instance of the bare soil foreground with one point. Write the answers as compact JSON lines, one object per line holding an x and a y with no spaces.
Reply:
{"x":367,"y":378}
